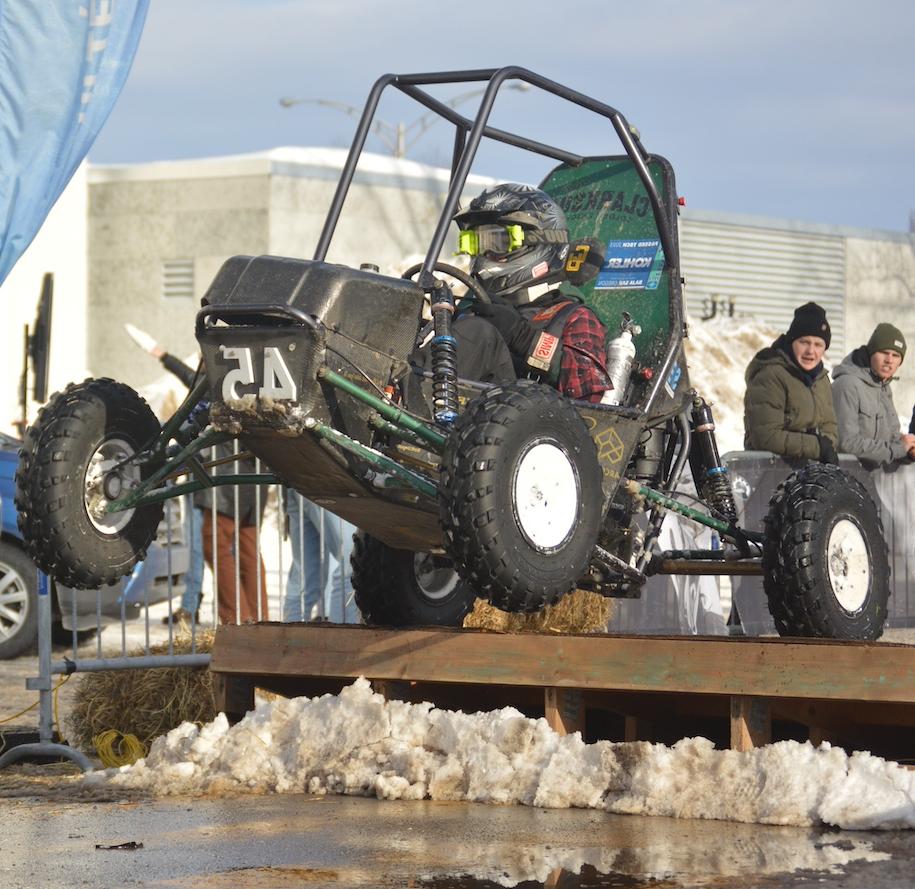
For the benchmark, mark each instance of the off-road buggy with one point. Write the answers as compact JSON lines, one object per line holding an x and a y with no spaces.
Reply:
{"x":510,"y":492}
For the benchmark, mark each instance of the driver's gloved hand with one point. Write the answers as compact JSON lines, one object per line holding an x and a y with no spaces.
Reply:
{"x":827,"y":451}
{"x":517,"y":331}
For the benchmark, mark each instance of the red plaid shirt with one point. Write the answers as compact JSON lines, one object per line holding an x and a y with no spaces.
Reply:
{"x":583,"y":372}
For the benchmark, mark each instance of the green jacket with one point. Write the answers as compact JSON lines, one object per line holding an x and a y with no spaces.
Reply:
{"x":782,"y":413}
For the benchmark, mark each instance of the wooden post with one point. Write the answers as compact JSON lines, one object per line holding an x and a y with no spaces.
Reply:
{"x":817,"y":734}
{"x":564,"y":710}
{"x":637,"y":729}
{"x":392,"y":689}
{"x":234,"y":695}
{"x":751,"y":722}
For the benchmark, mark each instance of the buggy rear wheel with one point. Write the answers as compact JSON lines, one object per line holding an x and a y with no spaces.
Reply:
{"x":400,"y":588}
{"x":824,"y":557}
{"x":521,"y":496}
{"x":75,"y":460}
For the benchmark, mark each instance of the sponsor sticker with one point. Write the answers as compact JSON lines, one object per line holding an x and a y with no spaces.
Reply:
{"x":631,"y":265}
{"x":673,"y":378}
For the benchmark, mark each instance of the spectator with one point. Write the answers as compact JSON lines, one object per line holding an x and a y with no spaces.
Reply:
{"x":239,"y":601}
{"x":318,"y":539}
{"x":788,"y":402}
{"x":193,"y":579}
{"x":237,"y":582}
{"x":867,"y":418}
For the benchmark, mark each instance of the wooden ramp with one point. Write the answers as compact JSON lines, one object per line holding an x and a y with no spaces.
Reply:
{"x":742,"y":692}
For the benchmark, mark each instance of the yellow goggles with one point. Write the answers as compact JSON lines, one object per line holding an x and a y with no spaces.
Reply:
{"x":490,"y":240}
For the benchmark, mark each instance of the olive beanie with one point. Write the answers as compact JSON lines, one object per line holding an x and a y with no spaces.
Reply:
{"x":886,"y":337}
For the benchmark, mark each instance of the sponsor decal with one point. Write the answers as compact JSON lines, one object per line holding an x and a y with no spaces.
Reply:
{"x":544,"y":350}
{"x":631,"y":265}
{"x":673,"y":378}
{"x":608,"y":200}
{"x":610,"y":446}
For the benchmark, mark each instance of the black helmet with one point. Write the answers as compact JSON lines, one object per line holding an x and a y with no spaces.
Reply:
{"x":517,"y":235}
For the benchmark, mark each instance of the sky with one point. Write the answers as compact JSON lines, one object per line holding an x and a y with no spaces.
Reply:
{"x":799,"y":110}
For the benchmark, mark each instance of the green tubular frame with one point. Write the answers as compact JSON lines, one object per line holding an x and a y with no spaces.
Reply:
{"x":393,"y":420}
{"x":379,"y":461}
{"x":638,"y":490}
{"x":387,"y":410}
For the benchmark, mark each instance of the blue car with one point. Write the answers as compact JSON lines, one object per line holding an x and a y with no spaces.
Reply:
{"x":82,"y":610}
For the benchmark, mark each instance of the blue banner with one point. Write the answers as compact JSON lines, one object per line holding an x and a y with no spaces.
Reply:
{"x":62,"y":66}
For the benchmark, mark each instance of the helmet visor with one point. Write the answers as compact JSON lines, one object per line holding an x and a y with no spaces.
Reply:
{"x":490,"y":240}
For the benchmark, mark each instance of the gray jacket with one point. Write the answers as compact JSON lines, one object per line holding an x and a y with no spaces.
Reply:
{"x":868,"y":422}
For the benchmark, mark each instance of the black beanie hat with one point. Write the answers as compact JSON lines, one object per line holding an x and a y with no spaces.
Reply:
{"x":809,"y":320}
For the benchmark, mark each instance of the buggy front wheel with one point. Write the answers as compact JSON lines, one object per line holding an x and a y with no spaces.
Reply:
{"x":521,"y":500}
{"x":80,"y":455}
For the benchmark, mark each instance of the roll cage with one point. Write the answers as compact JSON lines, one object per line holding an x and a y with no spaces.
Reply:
{"x":469,"y":133}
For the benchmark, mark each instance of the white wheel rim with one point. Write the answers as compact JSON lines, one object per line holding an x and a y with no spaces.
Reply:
{"x":546,"y":496}
{"x":848,"y":564}
{"x":104,"y":483}
{"x":434,"y":581}
{"x":14,"y":602}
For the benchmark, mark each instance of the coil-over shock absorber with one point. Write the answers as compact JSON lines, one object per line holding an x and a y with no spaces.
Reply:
{"x":712,"y":480}
{"x":444,"y":356}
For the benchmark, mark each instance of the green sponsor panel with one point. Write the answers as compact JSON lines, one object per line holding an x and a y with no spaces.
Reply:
{"x":604,"y":198}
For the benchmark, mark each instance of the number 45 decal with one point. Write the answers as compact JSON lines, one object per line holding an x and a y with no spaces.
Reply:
{"x":278,"y":382}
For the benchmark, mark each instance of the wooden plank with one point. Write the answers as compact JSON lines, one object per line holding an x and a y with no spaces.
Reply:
{"x":751,"y":725}
{"x":564,"y":710}
{"x":817,"y":669}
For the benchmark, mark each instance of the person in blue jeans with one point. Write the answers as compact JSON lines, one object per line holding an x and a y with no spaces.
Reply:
{"x":193,"y":580}
{"x":189,"y":609}
{"x":319,"y":539}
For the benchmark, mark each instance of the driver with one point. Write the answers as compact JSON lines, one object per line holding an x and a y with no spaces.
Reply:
{"x":519,"y":241}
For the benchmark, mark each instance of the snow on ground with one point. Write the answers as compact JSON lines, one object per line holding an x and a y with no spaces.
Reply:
{"x":717,"y":354}
{"x":358,"y":743}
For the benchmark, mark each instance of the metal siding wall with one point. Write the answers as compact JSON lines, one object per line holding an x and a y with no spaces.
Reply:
{"x":768,"y":272}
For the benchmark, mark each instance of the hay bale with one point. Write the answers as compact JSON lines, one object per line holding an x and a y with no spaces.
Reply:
{"x":145,"y":703}
{"x":580,"y":611}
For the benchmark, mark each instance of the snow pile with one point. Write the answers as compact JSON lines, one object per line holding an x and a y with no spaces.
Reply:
{"x":359,"y":743}
{"x":717,"y":354}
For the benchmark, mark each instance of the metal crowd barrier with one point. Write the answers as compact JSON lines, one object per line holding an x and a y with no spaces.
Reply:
{"x":755,"y":476}
{"x":136,"y":623}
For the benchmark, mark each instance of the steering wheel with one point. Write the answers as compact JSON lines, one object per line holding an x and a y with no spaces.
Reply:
{"x":458,"y":274}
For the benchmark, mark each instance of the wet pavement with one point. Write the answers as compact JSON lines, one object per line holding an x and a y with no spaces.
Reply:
{"x":298,"y":840}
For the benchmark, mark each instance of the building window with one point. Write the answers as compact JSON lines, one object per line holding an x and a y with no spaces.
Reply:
{"x":178,"y":278}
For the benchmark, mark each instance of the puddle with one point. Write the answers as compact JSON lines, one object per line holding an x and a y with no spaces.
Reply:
{"x":656,"y":854}
{"x":587,"y":878}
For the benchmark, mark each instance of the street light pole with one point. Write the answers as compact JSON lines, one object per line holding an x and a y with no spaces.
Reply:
{"x":394,"y":135}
